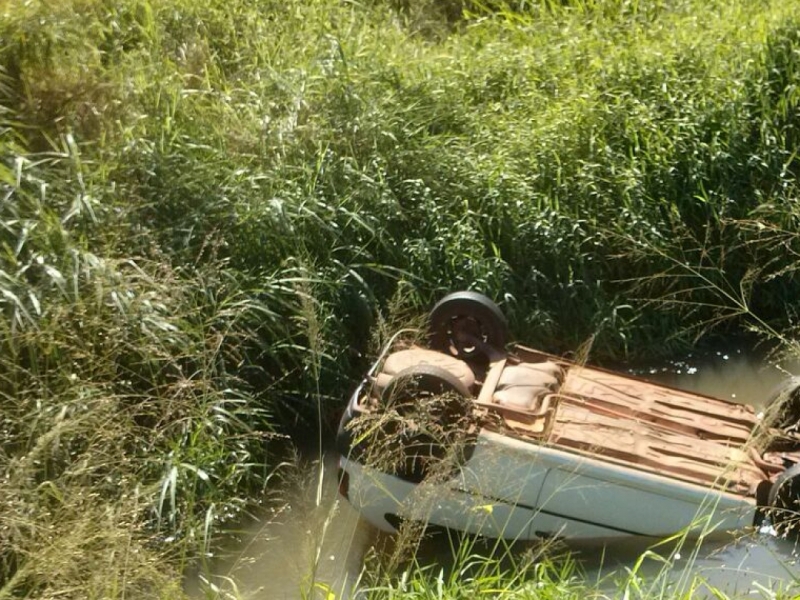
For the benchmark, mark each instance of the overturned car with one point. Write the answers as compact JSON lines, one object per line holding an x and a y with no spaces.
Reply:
{"x":461,"y":430}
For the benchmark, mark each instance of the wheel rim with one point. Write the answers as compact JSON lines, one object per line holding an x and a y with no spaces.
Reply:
{"x":467,"y":325}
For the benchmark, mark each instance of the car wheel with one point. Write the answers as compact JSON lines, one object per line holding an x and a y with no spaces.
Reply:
{"x":426,"y":429}
{"x":784,"y":501}
{"x":783,"y":405}
{"x":467,"y":325}
{"x":421,"y":381}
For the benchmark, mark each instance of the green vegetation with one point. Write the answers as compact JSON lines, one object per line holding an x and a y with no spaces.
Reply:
{"x":478,"y":576}
{"x":207,"y":209}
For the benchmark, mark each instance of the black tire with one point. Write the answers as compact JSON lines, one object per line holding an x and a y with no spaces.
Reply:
{"x":429,"y":407}
{"x":420,"y":381}
{"x":467,"y":325}
{"x":783,"y":405}
{"x":784,"y":501}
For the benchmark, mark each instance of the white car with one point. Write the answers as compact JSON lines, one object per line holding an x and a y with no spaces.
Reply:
{"x":467,"y":433}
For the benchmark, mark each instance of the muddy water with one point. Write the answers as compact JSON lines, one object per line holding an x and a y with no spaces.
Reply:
{"x":312,"y":544}
{"x":309,"y":545}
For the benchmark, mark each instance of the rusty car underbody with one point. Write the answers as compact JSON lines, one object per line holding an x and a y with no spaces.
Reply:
{"x":547,"y":446}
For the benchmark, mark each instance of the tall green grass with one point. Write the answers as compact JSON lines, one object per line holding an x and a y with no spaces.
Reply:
{"x":549,"y":139}
{"x":124,"y":419}
{"x":474,"y":569}
{"x":208,"y":208}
